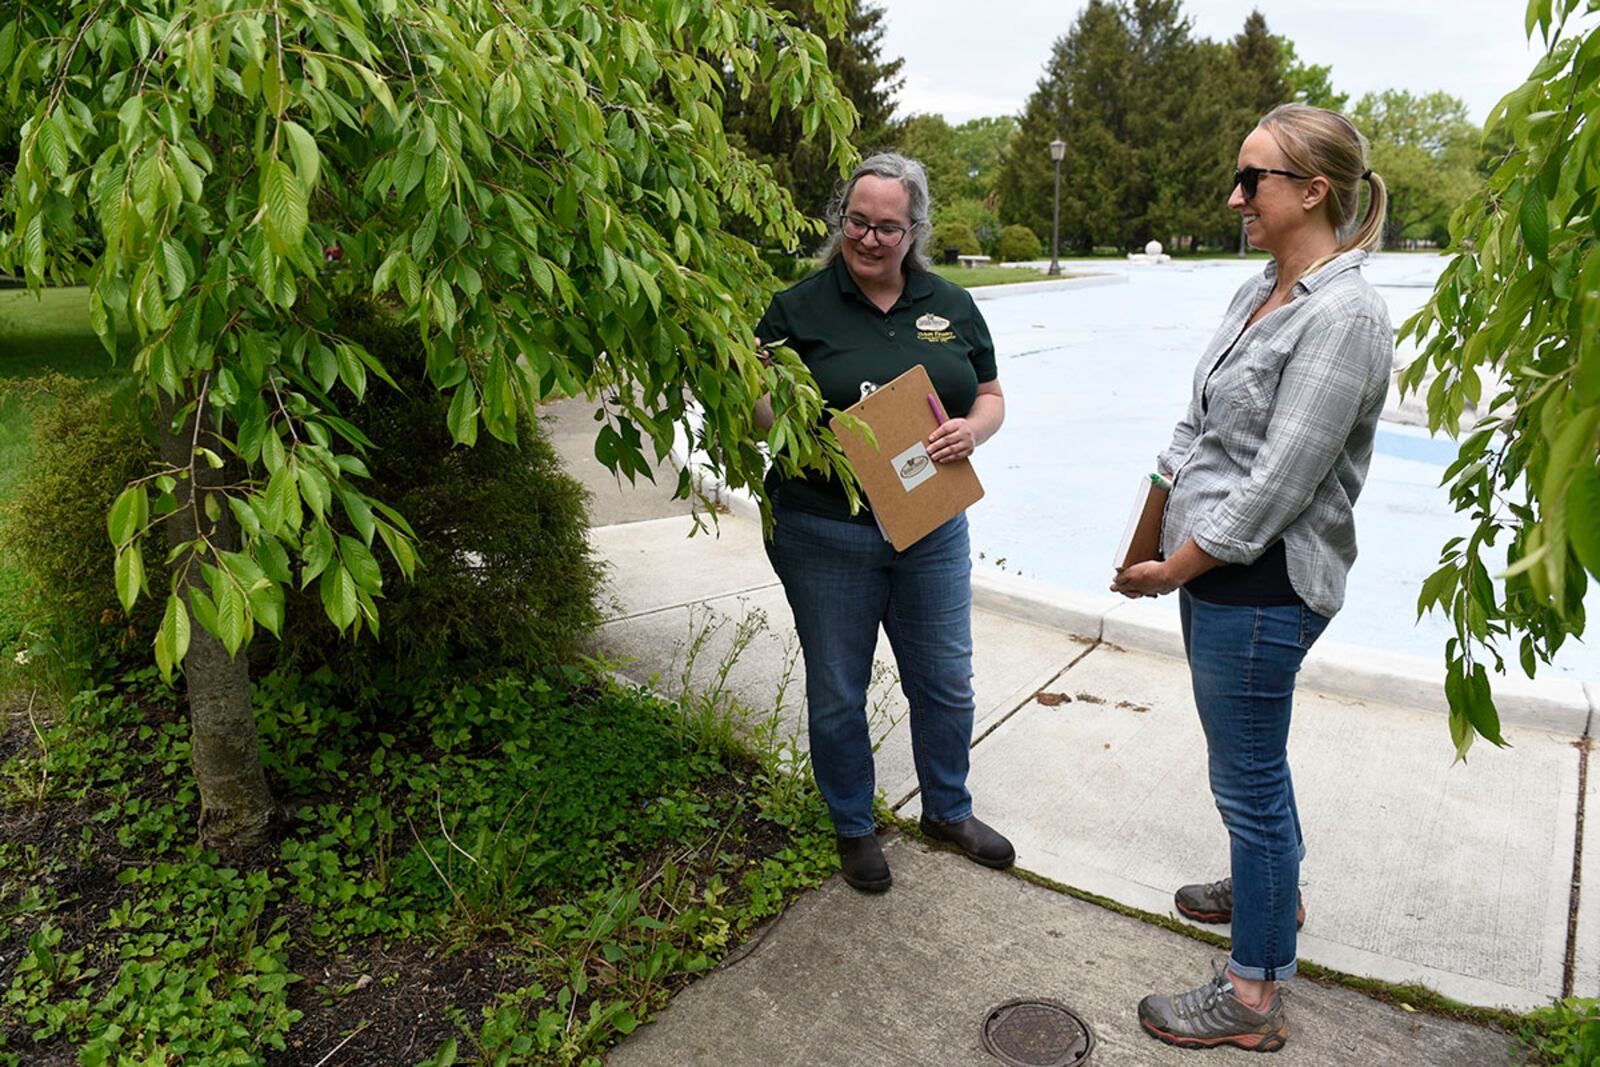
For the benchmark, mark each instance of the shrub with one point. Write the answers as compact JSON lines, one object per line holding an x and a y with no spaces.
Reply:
{"x":85,"y":444}
{"x":973,"y":212}
{"x":957,"y":235}
{"x":1019,"y":243}
{"x":507,"y":577}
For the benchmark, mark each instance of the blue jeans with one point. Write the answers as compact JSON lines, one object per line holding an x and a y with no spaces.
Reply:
{"x":843,"y":580}
{"x":1242,"y":662}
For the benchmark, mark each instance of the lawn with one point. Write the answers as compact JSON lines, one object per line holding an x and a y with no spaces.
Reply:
{"x":49,"y":331}
{"x":974,"y":277}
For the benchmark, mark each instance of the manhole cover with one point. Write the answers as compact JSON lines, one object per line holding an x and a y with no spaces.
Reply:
{"x":1037,"y":1033}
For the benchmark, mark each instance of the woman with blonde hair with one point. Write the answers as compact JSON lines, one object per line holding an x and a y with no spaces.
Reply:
{"x":1258,"y":535}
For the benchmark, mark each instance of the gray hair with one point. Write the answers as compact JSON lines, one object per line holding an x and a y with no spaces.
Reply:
{"x":895,"y":167}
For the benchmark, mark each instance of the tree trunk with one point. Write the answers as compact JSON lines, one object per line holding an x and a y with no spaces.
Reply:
{"x":236,"y":807}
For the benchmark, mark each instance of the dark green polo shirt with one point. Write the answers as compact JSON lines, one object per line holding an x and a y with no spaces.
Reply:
{"x":845,"y":341}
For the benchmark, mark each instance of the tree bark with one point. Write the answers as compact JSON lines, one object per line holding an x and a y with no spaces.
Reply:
{"x":237,"y":810}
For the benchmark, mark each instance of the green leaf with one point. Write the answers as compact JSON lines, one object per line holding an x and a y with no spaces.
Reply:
{"x":307,"y":159}
{"x":280,"y":498}
{"x":324,"y":366}
{"x":1480,"y":706}
{"x":273,"y":559}
{"x":463,"y":415}
{"x":246,"y":517}
{"x":352,"y":371}
{"x":202,"y":69}
{"x":358,"y":559}
{"x":172,"y":639}
{"x":131,"y":114}
{"x":266,"y":606}
{"x":1535,"y":223}
{"x":232,"y":618}
{"x":339,"y":597}
{"x":316,"y":553}
{"x":130,"y":576}
{"x":284,"y":201}
{"x":1573,"y":443}
{"x":359,"y":512}
{"x":53,"y":143}
{"x":1583,"y":517}
{"x":314,"y":489}
{"x":129,"y":514}
{"x":378,"y":88}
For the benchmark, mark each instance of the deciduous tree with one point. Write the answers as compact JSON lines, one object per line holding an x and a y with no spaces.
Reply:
{"x":1518,"y":310}
{"x":544,"y":188}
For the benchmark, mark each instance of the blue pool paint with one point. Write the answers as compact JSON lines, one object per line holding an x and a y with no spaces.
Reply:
{"x":1440,"y":451}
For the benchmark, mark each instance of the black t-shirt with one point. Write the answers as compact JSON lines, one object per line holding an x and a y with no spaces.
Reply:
{"x":845,"y":341}
{"x":1264,"y":583}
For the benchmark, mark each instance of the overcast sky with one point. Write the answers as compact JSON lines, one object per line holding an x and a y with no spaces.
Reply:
{"x":970,"y":58}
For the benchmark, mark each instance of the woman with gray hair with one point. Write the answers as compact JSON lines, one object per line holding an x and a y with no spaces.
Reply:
{"x":873,"y":311}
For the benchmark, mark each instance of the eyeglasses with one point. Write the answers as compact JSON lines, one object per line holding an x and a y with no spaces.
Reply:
{"x":889,"y":233}
{"x":1250,"y":177}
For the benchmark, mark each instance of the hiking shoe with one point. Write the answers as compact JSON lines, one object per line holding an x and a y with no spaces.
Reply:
{"x":862,"y":864}
{"x":981,"y":843}
{"x":1212,"y":902}
{"x":1213,"y":1015}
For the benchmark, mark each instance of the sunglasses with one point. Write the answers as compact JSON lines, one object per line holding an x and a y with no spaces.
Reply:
{"x":1250,"y":177}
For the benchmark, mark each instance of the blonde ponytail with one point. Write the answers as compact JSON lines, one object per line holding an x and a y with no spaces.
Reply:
{"x":1369,"y":235}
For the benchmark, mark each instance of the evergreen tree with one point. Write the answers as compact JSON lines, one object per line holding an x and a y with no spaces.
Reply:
{"x":1152,"y":118}
{"x":1083,"y":98}
{"x":1259,"y":61}
{"x":801,"y":163}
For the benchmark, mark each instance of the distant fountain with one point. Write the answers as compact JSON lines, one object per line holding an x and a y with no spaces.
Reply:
{"x":1152,"y":254}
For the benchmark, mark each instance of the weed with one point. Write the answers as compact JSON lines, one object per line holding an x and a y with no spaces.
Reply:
{"x":1565,"y":1033}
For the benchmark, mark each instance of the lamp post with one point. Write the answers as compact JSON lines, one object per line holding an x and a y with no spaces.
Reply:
{"x":1058,"y":151}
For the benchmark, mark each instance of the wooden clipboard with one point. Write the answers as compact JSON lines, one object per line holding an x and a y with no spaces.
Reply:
{"x":910,"y":494}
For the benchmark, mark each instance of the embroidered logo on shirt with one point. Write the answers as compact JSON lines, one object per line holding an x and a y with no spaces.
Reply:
{"x":934,"y":329}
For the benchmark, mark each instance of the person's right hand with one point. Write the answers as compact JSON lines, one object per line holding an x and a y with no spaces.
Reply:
{"x":763,"y":354}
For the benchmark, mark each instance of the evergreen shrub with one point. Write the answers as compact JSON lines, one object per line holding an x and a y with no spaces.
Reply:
{"x":85,"y":444}
{"x":976,"y":214}
{"x":957,"y":235}
{"x":508,"y":578}
{"x":1019,"y":243}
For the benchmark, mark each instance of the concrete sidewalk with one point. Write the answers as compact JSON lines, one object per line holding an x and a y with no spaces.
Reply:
{"x":1089,"y":755}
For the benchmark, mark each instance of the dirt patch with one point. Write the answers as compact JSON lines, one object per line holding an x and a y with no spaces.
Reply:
{"x":387,"y":1003}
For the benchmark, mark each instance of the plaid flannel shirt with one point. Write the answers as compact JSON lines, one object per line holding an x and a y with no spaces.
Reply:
{"x":1276,"y":442}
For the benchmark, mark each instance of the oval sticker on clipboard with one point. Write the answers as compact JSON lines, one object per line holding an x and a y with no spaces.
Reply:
{"x":913,"y":466}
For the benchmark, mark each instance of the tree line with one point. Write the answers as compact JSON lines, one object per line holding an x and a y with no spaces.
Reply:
{"x":1152,"y":116}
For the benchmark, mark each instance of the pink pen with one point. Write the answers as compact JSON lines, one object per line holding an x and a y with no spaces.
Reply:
{"x":938,"y":415}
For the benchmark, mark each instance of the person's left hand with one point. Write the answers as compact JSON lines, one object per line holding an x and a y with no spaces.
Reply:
{"x":1149,"y":578}
{"x":954,"y":440}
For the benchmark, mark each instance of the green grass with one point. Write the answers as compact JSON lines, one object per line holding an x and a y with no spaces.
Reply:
{"x":973,"y":277}
{"x":47,"y":332}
